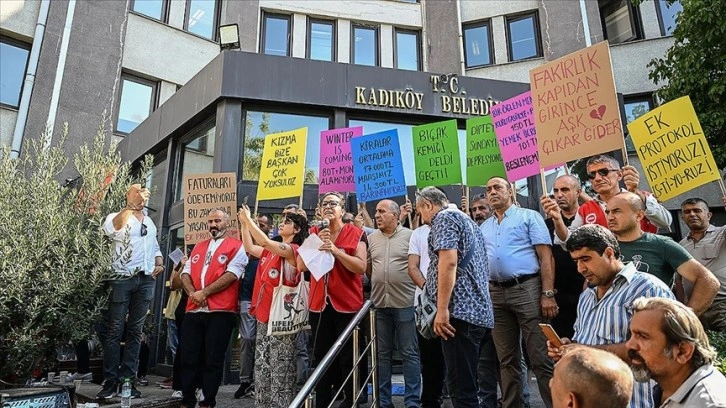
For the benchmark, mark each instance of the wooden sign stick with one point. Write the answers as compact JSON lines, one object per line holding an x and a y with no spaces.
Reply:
{"x":723,"y":188}
{"x":544,"y":180}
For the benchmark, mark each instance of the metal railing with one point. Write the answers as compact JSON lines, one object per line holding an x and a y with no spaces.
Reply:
{"x":306,"y":396}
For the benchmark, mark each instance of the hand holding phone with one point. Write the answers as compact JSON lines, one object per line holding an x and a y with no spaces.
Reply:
{"x":551,"y":334}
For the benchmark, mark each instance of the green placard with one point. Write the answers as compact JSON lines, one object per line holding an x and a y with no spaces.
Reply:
{"x":436,"y":154}
{"x":483,"y":157}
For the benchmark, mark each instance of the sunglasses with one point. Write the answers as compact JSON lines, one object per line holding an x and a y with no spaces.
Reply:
{"x":602,"y":172}
{"x":144,"y":230}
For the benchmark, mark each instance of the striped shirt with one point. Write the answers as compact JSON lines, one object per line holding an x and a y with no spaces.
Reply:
{"x":607,"y":321}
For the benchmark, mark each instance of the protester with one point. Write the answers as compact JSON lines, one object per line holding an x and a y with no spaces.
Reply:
{"x":457,"y":280}
{"x":480,"y":209}
{"x":605,"y":174}
{"x":656,"y":254}
{"x":276,"y":355}
{"x":668,"y":345}
{"x":179,"y":313}
{"x":590,"y":378}
{"x":336,"y":298}
{"x":211,"y":280}
{"x":522,"y":289}
{"x":568,"y":282}
{"x":137,"y":262}
{"x":392,"y":293}
{"x":431,"y":357}
{"x":603,"y":313}
{"x":707,"y":244}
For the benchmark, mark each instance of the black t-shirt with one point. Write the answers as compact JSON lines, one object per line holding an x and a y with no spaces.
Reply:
{"x":567,"y":279}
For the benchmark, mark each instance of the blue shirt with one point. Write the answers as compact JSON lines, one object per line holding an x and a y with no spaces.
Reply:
{"x":510,"y":243}
{"x":470,"y":301}
{"x":607,"y":321}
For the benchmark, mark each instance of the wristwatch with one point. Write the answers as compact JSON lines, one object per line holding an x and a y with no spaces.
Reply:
{"x":549,"y":293}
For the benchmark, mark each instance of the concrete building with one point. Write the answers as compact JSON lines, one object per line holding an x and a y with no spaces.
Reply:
{"x":155,"y":68}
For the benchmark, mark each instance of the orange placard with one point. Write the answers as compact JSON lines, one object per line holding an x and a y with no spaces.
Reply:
{"x":575,"y":105}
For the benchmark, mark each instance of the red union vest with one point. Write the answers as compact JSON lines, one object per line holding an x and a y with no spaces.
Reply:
{"x":226,"y":299}
{"x":343,"y":287}
{"x":592,"y":213}
{"x":267,"y":279}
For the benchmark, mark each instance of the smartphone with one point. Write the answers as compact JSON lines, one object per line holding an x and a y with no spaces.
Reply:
{"x":551,"y":334}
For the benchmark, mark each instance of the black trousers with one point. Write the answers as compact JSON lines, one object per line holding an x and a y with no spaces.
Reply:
{"x":205,"y":340}
{"x":327,"y":327}
{"x":433,"y":372}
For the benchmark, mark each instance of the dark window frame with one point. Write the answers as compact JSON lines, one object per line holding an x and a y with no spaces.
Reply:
{"x":155,"y":87}
{"x":205,"y":124}
{"x":417,"y":33}
{"x":512,"y":18}
{"x":215,"y":24}
{"x":164,"y":11}
{"x":334,"y":39}
{"x":477,"y":24}
{"x":263,"y":37}
{"x":636,"y":21}
{"x":18,"y":44}
{"x":659,"y":12}
{"x":377,"y":30}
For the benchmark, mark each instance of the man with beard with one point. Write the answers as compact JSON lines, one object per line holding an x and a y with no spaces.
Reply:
{"x":211,"y":280}
{"x":605,"y":174}
{"x":656,"y":254}
{"x":668,"y":345}
{"x":603,"y":312}
{"x":707,"y":244}
{"x":568,"y":283}
{"x":480,"y":209}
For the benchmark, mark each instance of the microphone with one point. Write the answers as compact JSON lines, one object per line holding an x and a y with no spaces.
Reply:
{"x":325,"y":223}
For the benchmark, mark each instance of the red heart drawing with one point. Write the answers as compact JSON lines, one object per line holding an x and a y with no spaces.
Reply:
{"x":598,"y":113}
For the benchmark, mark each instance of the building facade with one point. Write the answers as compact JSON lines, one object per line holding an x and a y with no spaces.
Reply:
{"x":155,"y":68}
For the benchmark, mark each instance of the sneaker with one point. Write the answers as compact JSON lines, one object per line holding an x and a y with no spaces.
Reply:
{"x":166,"y":383}
{"x":143,"y":381}
{"x":134,"y":392}
{"x":109,"y":390}
{"x":243,"y":389}
{"x":200,"y":395}
{"x":87,"y":377}
{"x":177,"y":394}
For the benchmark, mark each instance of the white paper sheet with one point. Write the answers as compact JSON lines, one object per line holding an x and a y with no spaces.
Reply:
{"x":318,"y":262}
{"x":176,"y":256}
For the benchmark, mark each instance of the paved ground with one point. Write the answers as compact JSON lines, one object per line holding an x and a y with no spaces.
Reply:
{"x":154,"y":396}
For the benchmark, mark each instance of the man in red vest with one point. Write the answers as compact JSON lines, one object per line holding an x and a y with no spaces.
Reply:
{"x":604,"y":173}
{"x":211,"y":279}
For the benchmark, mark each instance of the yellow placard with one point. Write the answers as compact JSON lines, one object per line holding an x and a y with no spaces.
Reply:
{"x":202,"y":194}
{"x":673,"y":149}
{"x":282,"y":173}
{"x":575,"y":106}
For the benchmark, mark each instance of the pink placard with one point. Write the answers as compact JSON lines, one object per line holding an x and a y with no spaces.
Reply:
{"x":336,"y":160}
{"x":514,"y":125}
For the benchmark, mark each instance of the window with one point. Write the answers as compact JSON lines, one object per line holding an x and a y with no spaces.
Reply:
{"x":365,"y":45}
{"x":154,"y":182}
{"x":635,"y":107}
{"x":321,"y":40}
{"x":137,"y":101}
{"x":260,"y":124}
{"x":196,"y":160}
{"x":620,"y":21}
{"x":478,"y":44}
{"x":523,"y":37}
{"x":156,"y":9}
{"x":407,"y":54}
{"x":13,"y":64}
{"x":202,"y":18}
{"x":667,"y":15}
{"x":276,"y":38}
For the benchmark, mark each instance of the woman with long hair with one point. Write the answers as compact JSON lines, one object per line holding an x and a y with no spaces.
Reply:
{"x":275,"y":356}
{"x":336,"y":298}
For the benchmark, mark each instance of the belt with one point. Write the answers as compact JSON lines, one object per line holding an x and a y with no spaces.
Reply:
{"x":514,"y":281}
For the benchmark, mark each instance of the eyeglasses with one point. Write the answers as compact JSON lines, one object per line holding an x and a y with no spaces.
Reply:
{"x":144,"y":230}
{"x":331,"y":204}
{"x":602,"y":172}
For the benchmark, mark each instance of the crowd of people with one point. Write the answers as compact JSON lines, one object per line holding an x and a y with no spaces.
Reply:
{"x":630,"y":307}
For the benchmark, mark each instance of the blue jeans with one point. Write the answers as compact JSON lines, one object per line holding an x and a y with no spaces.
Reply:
{"x":461,"y":354}
{"x":130,"y":296}
{"x":397,"y":327}
{"x":172,"y":336}
{"x":488,"y":375}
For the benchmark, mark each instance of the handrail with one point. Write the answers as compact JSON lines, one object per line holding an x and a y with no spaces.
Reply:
{"x":325,"y":363}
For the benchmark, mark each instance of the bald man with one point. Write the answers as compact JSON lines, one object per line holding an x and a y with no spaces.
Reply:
{"x":586,"y":377}
{"x":656,"y":254}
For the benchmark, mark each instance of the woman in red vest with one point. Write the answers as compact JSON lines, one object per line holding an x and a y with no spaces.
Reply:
{"x":336,"y":298}
{"x":275,"y":356}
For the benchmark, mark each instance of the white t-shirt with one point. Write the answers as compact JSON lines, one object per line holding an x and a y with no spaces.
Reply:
{"x":419,"y":245}
{"x":133,"y":252}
